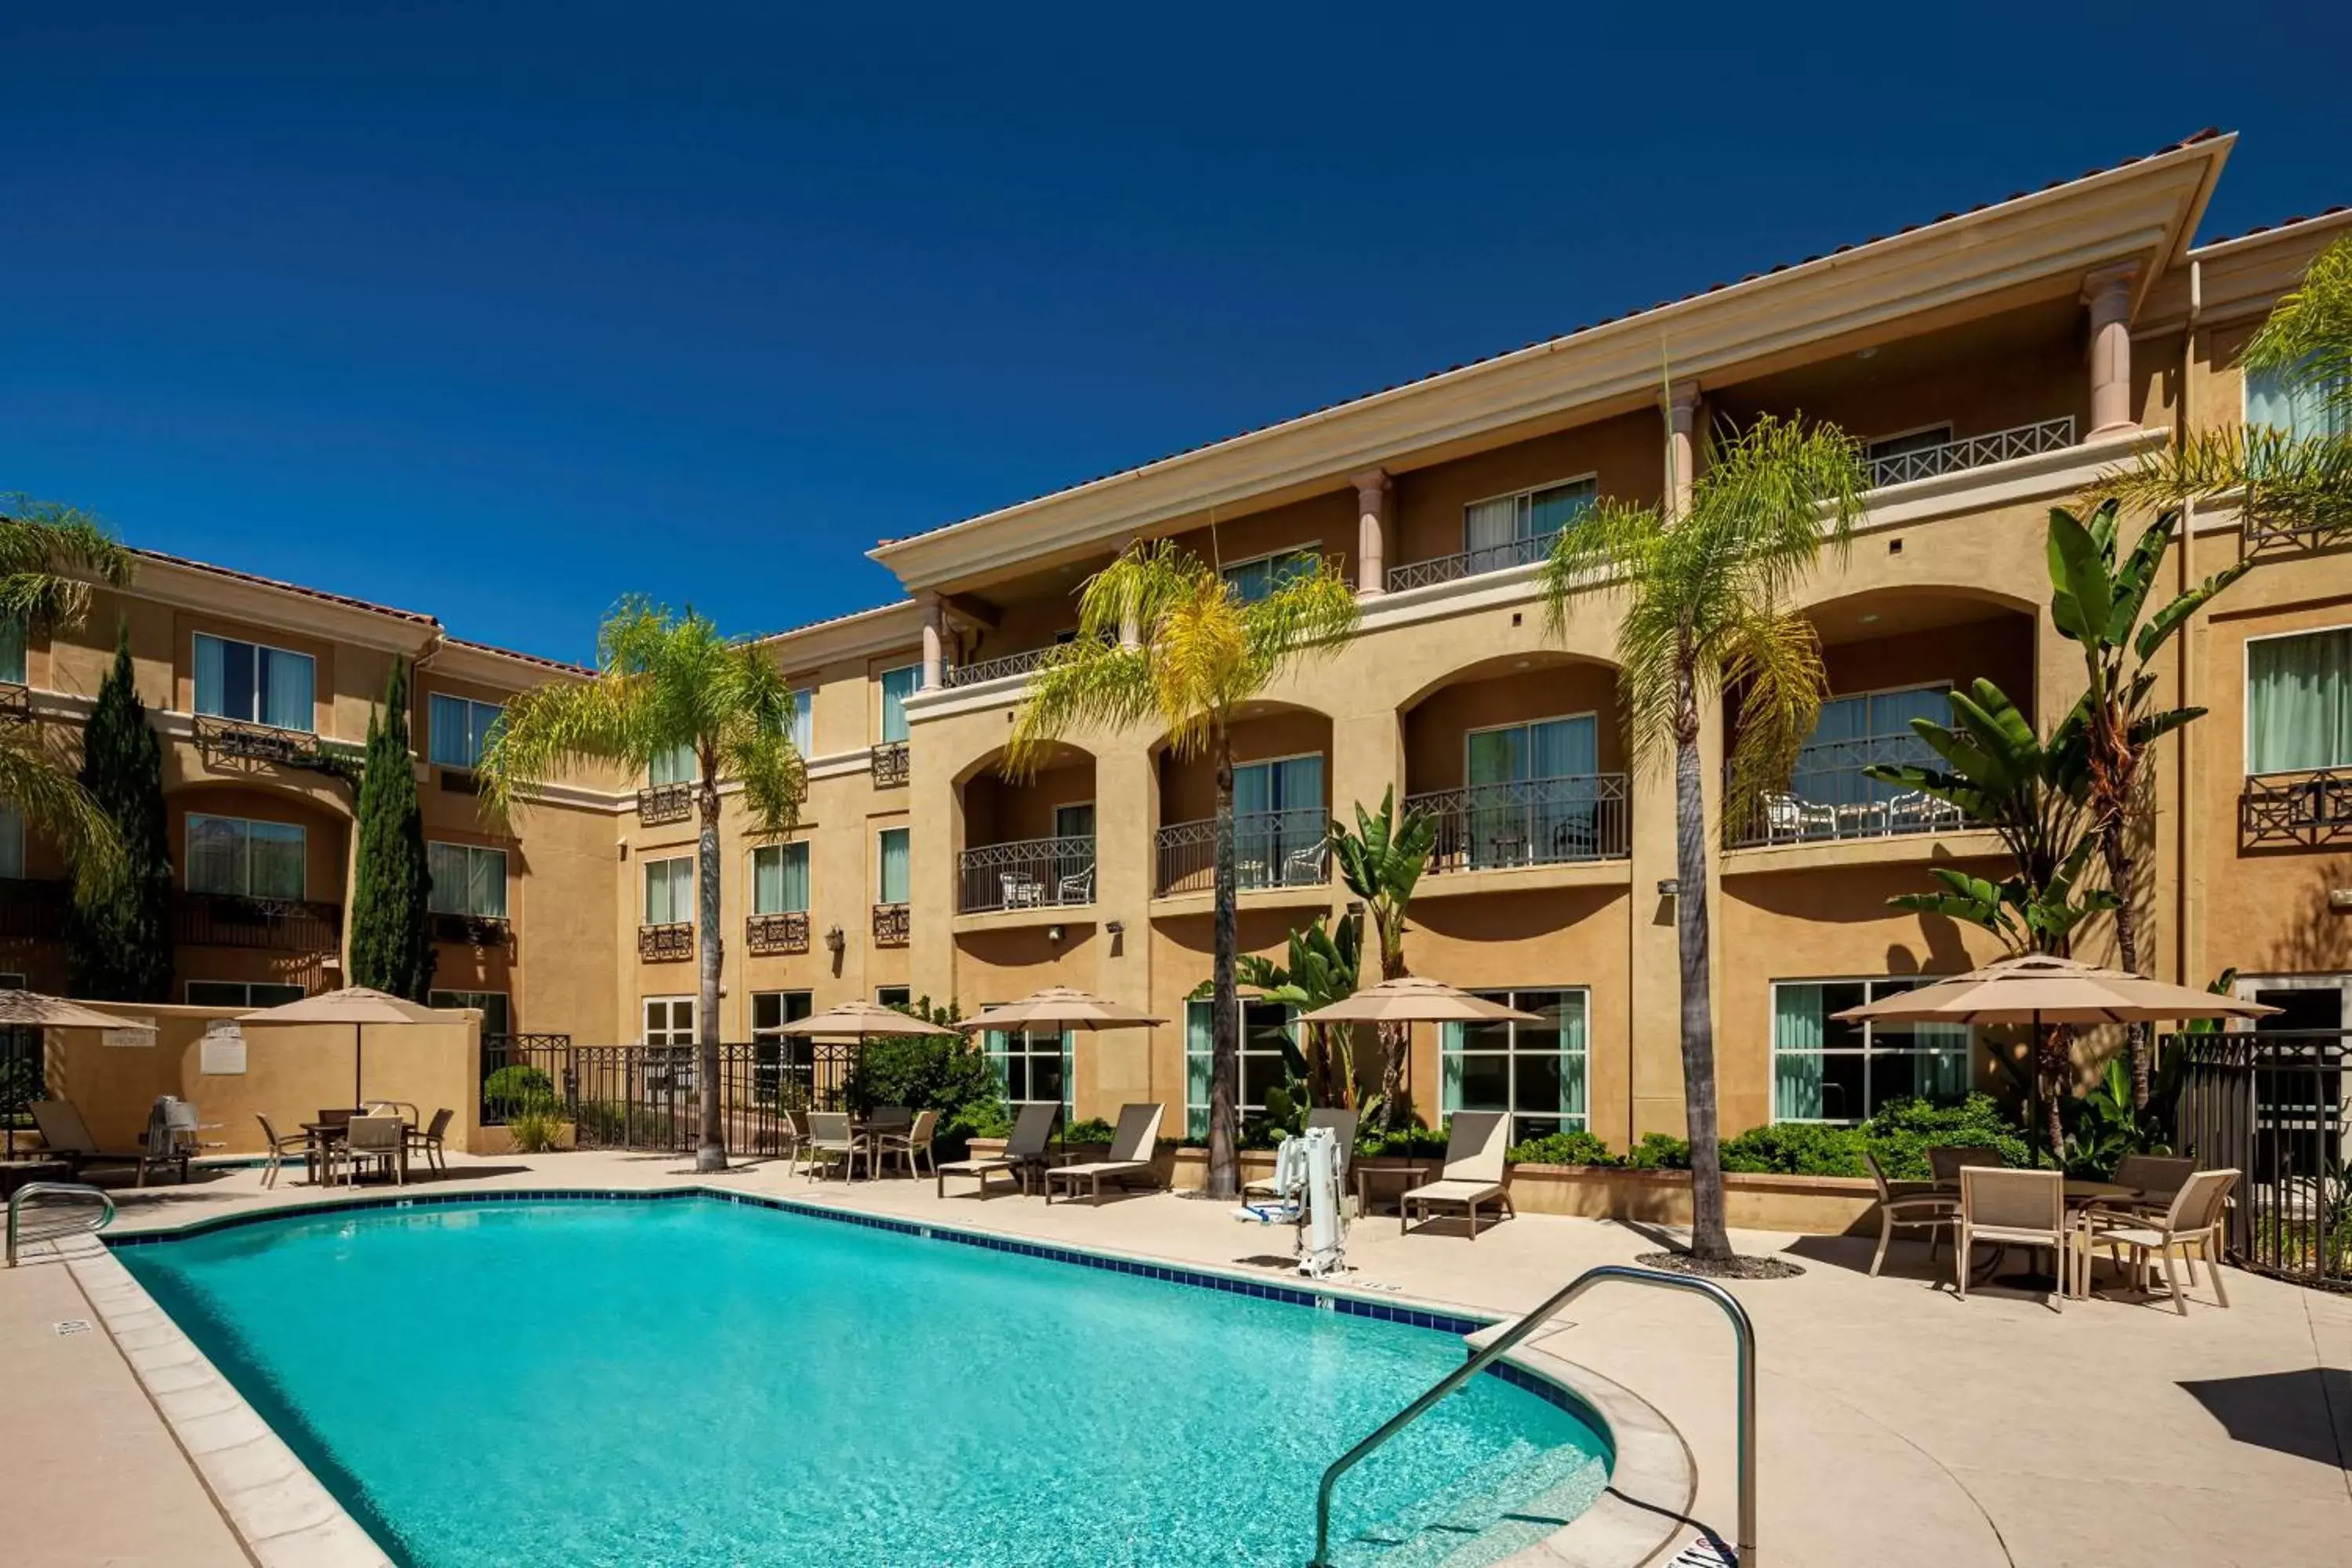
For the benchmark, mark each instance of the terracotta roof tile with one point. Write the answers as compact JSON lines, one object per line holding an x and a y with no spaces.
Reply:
{"x":255,"y":578}
{"x":2336,"y":211}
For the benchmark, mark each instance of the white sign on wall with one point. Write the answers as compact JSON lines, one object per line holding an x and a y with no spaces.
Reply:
{"x":134,"y":1032}
{"x":223,"y":1055}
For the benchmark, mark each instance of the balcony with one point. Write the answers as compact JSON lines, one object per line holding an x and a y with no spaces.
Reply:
{"x":665,"y":803}
{"x":1974,"y":452}
{"x":889,"y":765}
{"x":764,"y":936}
{"x":1032,"y":873}
{"x":1831,"y":799}
{"x":33,"y":911}
{"x":1271,"y":850}
{"x":219,"y":740}
{"x":2303,"y":810}
{"x":671,"y":943}
{"x":1470,"y":562}
{"x":470,"y":930}
{"x":890,"y":925}
{"x":986,"y":669}
{"x":1527,"y":822}
{"x":274,"y":925}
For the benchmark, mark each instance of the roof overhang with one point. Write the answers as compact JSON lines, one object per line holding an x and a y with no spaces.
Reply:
{"x":239,"y":597}
{"x":2143,"y":213}
{"x":883,"y":629}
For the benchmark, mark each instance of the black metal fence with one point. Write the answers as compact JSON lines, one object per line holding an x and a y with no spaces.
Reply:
{"x":23,"y":1078}
{"x":650,"y":1097}
{"x":2272,"y":1105}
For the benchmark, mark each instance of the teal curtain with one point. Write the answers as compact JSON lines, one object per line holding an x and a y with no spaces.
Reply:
{"x":1571,"y":1059}
{"x":795,"y":858}
{"x":445,"y":864}
{"x":895,"y":880}
{"x":1943,"y":1075}
{"x":459,"y":727}
{"x":1199,"y":1051}
{"x":2305,"y":413}
{"x":215,"y":859}
{"x":1547,"y":511}
{"x":898,"y":685}
{"x":2299,"y":702}
{"x":1069,"y":1073}
{"x":287,"y":690}
{"x":779,"y":879}
{"x":1488,"y":526}
{"x":1798,"y":1027}
{"x":487,"y":882}
{"x":1449,"y":1066}
{"x":669,"y":891}
{"x":803,"y":723}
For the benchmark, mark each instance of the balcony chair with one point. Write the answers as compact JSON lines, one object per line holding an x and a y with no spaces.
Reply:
{"x":1077,"y":887}
{"x":1304,"y":867}
{"x":1021,"y":891}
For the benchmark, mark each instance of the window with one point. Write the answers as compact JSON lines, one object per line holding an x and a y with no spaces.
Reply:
{"x":1513,"y":529}
{"x":779,"y":879}
{"x":1535,"y":1071}
{"x":241,"y":993}
{"x":673,"y":765}
{"x":891,"y":881}
{"x":805,"y":722}
{"x":1267,"y":1058}
{"x":669,"y":1020}
{"x":669,"y":891}
{"x":2307,"y":412}
{"x":12,"y":651}
{"x":2299,"y":702}
{"x":1032,"y":1066}
{"x":1854,"y":732}
{"x":495,"y":1019}
{"x":895,"y":996}
{"x":1279,"y":822}
{"x":774,"y":1054}
{"x":244,"y":860}
{"x":459,"y":727}
{"x":12,"y":842}
{"x":1075,"y":821}
{"x":1253,"y":580}
{"x":898,"y":685}
{"x":1934,"y":436}
{"x":254,"y":683}
{"x":1824,"y":1071}
{"x":1520,"y":810}
{"x":467,"y":879}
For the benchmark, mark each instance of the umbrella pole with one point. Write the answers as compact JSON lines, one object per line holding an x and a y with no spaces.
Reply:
{"x":359,"y":1046}
{"x":2033,"y":1056}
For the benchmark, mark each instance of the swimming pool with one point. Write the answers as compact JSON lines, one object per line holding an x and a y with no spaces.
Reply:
{"x":698,"y":1383}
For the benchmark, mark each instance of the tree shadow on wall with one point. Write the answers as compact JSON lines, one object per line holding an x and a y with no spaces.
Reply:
{"x":2318,"y":938}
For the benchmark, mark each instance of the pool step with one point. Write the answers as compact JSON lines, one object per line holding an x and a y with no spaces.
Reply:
{"x":1508,"y":1508}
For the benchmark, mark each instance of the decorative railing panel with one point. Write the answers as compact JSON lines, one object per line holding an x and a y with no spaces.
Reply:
{"x":1470,"y":562}
{"x":766,"y":936}
{"x":230,"y":737}
{"x":33,"y":911}
{"x":983,"y":669}
{"x":1973,"y":452}
{"x":2291,"y":810}
{"x":471,"y":931}
{"x":666,"y":943}
{"x":15,"y":703}
{"x":1527,"y":822}
{"x":890,"y":764}
{"x":277,"y":925}
{"x":2271,"y":1106}
{"x":891,"y":926}
{"x":1271,"y":850}
{"x":1033,"y":873}
{"x":665,"y":803}
{"x":1829,"y":797}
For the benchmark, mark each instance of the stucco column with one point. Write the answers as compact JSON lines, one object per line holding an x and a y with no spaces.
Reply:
{"x":934,"y":641}
{"x":1373,"y":489}
{"x":1116,"y":1067}
{"x":935,"y":834}
{"x":2109,"y":294}
{"x":1367,"y":761}
{"x":1681,"y":445}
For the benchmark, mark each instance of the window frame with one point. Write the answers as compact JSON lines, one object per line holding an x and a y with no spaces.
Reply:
{"x":646,"y":905}
{"x":506,"y":1001}
{"x":12,"y":840}
{"x":802,"y":729}
{"x":1870,"y":444}
{"x":1526,"y":493}
{"x":882,"y":736}
{"x":1243,"y":1109}
{"x":433,"y":728}
{"x":997,"y":1045}
{"x":881,"y":889}
{"x":188,"y":861}
{"x":2246,"y":374}
{"x":646,"y":1031}
{"x":187,"y":990}
{"x":784,"y":848}
{"x":505,"y":869}
{"x":2246,"y":691}
{"x":1508,"y":995}
{"x":906,"y":995}
{"x":1225,"y":571}
{"x":1591,"y":713}
{"x":23,"y":649}
{"x":196,"y":696}
{"x":1867,"y":1054}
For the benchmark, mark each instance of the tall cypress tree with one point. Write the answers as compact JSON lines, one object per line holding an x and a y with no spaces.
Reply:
{"x":391,"y":949}
{"x":119,"y":949}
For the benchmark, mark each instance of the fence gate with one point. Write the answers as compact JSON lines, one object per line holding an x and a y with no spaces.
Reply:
{"x":2273,"y":1105}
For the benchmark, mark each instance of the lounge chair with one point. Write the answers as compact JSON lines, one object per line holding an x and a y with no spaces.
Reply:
{"x":280,"y":1145}
{"x":433,"y":1141}
{"x":911,"y":1144}
{"x":2019,"y":1209}
{"x":1131,"y":1148}
{"x":1032,"y":1130}
{"x":2189,"y":1229}
{"x":66,"y":1136}
{"x":1473,"y":1174}
{"x":1340,"y":1122}
{"x":379,"y":1139}
{"x":1908,"y":1206}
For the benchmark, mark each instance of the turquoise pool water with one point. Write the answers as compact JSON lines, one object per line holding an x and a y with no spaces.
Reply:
{"x":701,"y":1384}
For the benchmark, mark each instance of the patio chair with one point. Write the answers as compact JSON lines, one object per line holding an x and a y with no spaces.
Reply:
{"x":834,"y":1141}
{"x":1945,"y":1162}
{"x":2189,"y":1229}
{"x":433,"y":1140}
{"x":1908,"y":1206}
{"x":1473,"y":1174}
{"x":2160,"y":1178}
{"x":1784,"y":817}
{"x":793,"y":1134}
{"x":1077,"y":887}
{"x":911,"y":1144}
{"x":1032,"y":1130}
{"x":1340,"y":1122}
{"x":382,"y":1141}
{"x":278,"y":1145}
{"x":2019,"y":1208}
{"x":66,"y":1136}
{"x":1304,"y":867}
{"x":1020,"y":889}
{"x":1131,"y":1148}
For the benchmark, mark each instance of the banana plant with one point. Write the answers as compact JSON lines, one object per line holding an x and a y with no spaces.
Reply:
{"x":2099,"y":606}
{"x":1382,"y":862}
{"x":1321,"y":966}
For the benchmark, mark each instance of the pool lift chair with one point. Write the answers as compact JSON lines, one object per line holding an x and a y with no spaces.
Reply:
{"x":1307,"y":1194}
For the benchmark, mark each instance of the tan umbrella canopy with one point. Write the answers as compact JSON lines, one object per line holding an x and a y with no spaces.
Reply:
{"x":1416,"y":999}
{"x":2039,"y":989}
{"x":1061,"y":1007}
{"x":31,"y":1010}
{"x":859,"y":1020}
{"x":358,"y":1005}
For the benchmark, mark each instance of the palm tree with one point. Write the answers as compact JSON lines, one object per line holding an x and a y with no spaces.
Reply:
{"x":1163,"y":637}
{"x":665,"y":682}
{"x":1382,"y":862}
{"x":1706,"y":611}
{"x":50,"y":558}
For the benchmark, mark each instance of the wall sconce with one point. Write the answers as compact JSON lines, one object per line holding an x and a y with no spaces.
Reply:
{"x":1054,"y":934}
{"x":1669,"y":886}
{"x":835,"y":941}
{"x":1356,"y":909}
{"x":1116,"y":928}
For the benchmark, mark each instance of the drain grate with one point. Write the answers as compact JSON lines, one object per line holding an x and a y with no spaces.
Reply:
{"x":71,"y":1326}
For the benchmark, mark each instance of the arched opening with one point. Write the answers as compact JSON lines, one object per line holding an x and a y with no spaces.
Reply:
{"x":1028,"y":843}
{"x":1282,"y":805}
{"x":1519,"y":761}
{"x":257,"y":892}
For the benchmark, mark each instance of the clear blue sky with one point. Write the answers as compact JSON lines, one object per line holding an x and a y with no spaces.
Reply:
{"x":499,"y":311}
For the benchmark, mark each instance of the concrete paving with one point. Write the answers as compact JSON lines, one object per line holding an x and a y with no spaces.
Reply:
{"x":1898,"y":1424}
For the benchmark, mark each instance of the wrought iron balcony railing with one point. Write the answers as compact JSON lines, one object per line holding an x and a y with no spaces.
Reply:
{"x":233,"y":738}
{"x":765,"y":935}
{"x":2310,"y":808}
{"x":1973,"y":452}
{"x":891,"y":926}
{"x":972,"y":674}
{"x":666,"y":943}
{"x":15,"y":702}
{"x":1271,"y":850}
{"x":665,"y":803}
{"x":33,"y":911}
{"x":1527,"y":822}
{"x":277,"y":925}
{"x":470,"y":930}
{"x":1470,"y":562}
{"x":890,"y":764}
{"x":1829,"y":797}
{"x":1033,"y":873}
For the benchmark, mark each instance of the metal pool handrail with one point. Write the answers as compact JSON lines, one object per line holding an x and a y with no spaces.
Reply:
{"x":56,"y":1189}
{"x":1741,"y":1328}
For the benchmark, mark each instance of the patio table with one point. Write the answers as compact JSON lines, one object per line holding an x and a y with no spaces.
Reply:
{"x":1413,"y":1176}
{"x":325,"y":1135}
{"x":2079,"y":1194}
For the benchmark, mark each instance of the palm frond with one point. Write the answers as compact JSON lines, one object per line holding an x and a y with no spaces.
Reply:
{"x":754,"y":739}
{"x":2309,"y":334}
{"x":49,"y":557}
{"x":1773,"y":659}
{"x":38,"y":782}
{"x":2281,"y":482}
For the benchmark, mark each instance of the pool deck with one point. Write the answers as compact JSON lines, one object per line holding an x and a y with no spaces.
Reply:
{"x":1898,"y":1424}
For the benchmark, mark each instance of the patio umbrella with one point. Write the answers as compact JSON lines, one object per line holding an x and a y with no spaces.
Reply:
{"x":1416,"y":999}
{"x":860,"y":1021}
{"x":2040,"y":989}
{"x":1061,"y":1007}
{"x":31,"y":1010}
{"x":357,"y":1006}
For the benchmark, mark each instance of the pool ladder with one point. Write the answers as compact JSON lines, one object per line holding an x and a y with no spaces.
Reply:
{"x":1741,"y":1328}
{"x":53,"y":1227}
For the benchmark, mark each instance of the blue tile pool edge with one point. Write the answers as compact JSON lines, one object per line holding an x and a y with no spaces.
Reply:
{"x":1317,"y":1298}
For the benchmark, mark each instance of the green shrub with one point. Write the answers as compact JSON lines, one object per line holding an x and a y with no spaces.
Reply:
{"x":1094,"y":1130}
{"x":517,"y":1090}
{"x":1797,"y":1149}
{"x":1902,"y":1132}
{"x":947,"y":1073}
{"x":1564,"y":1149}
{"x":1659,"y":1151}
{"x":535,"y":1131}
{"x":1414,"y":1142}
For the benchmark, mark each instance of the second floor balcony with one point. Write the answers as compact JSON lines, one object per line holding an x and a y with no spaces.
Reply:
{"x":1271,"y":850}
{"x":766,"y":936}
{"x":1830,"y":796}
{"x":1527,"y":822}
{"x":986,"y":669}
{"x":1033,"y":873}
{"x":275,"y":925}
